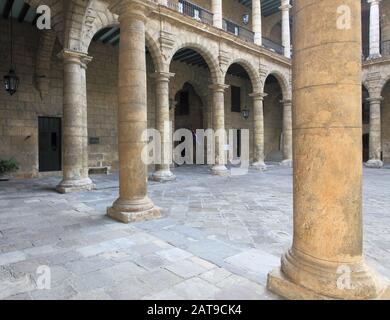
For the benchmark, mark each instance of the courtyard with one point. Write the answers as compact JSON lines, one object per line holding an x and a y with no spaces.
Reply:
{"x":218,"y":238}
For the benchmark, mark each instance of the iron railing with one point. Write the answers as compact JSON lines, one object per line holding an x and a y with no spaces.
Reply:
{"x":273,"y":46}
{"x":194,"y":11}
{"x":237,"y":30}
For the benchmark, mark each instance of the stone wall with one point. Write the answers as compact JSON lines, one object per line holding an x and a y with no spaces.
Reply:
{"x":19,"y":113}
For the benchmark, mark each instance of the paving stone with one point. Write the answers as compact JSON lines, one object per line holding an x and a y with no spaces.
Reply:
{"x":174,"y":254}
{"x":186,"y":268}
{"x":11,"y":257}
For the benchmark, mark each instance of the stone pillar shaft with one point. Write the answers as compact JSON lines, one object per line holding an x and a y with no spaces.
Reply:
{"x":375,"y":160}
{"x":286,"y":36}
{"x":375,"y":47}
{"x":287,"y":132}
{"x":133,"y":203}
{"x":216,"y":8}
{"x":328,"y":235}
{"x":256,"y":21}
{"x":218,"y":91}
{"x":75,"y":124}
{"x":163,"y":125}
{"x":258,"y":110}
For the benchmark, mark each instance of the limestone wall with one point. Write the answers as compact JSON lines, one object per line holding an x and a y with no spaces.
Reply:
{"x":386,"y":123}
{"x":19,"y":113}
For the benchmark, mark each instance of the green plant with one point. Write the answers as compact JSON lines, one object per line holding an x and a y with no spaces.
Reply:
{"x":8,"y":166}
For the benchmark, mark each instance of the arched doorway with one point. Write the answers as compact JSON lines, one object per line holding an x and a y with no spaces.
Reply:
{"x":273,"y":120}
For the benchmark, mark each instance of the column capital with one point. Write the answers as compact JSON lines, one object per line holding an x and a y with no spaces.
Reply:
{"x":258,"y":95}
{"x":162,"y":76}
{"x":72,"y":56}
{"x":219,"y":87}
{"x":375,"y":100}
{"x":373,"y":2}
{"x":286,"y":102}
{"x":128,"y":8}
{"x":285,"y":5}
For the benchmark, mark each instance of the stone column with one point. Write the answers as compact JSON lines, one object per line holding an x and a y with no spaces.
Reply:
{"x":375,"y":134}
{"x":287,"y":133}
{"x":133,"y":203}
{"x":172,"y":110}
{"x":258,"y":110}
{"x":218,"y":110}
{"x":256,"y":22}
{"x":375,"y":38}
{"x":216,"y":8}
{"x":286,"y":37}
{"x":326,"y":259}
{"x":164,"y":126}
{"x":75,"y":124}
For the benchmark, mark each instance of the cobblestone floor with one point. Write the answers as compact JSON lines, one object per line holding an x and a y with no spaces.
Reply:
{"x":218,"y":239}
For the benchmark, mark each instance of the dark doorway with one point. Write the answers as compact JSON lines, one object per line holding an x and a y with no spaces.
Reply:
{"x":49,"y":144}
{"x":366,"y":147}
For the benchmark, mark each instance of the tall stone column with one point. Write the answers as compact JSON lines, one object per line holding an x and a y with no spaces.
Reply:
{"x":216,"y":8}
{"x":375,"y":37}
{"x":133,"y":203}
{"x":375,"y":134}
{"x":218,"y":110}
{"x":75,"y":124}
{"x":163,"y":125}
{"x":287,"y":133}
{"x":258,"y":110}
{"x":256,"y":22}
{"x":286,"y":36}
{"x":326,"y":258}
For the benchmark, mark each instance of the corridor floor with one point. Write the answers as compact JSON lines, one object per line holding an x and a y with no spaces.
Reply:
{"x":218,"y":238}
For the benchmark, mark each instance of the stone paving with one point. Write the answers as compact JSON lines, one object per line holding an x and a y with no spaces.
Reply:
{"x":218,"y":238}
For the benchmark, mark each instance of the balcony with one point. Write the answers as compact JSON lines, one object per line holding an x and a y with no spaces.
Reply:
{"x":192,"y":10}
{"x":202,"y":15}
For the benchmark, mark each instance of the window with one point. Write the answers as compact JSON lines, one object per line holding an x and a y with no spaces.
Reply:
{"x":236,"y":99}
{"x":183,"y":108}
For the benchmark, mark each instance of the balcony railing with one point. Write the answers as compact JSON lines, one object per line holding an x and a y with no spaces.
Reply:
{"x":194,"y":11}
{"x":189,"y":9}
{"x":273,"y":46}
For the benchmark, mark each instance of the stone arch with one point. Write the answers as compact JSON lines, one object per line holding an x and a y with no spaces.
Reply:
{"x":383,"y":83}
{"x":208,"y":56}
{"x":95,"y":20}
{"x":283,"y":82}
{"x":251,"y":70}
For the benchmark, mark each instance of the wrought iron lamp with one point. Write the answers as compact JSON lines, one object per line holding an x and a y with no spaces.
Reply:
{"x":11,"y":80}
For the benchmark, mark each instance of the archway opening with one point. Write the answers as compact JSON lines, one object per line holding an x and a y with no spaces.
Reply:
{"x":366,"y":123}
{"x":239,"y":107}
{"x":102,"y":97}
{"x":273,"y":120}
{"x":385,"y":123}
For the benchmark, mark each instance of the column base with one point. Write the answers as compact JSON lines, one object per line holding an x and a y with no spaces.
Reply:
{"x":69,"y":186}
{"x":287,"y":163}
{"x":376,"y":164}
{"x":374,"y":56}
{"x":163,"y":176}
{"x":283,"y":287}
{"x":220,"y":170}
{"x":133,"y":211}
{"x":260,"y":166}
{"x":320,"y":280}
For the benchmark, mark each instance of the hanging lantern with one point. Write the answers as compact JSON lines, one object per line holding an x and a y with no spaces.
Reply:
{"x":11,"y":82}
{"x":245,"y":113}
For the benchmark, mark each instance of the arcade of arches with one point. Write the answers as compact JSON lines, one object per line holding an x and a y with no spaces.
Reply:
{"x":91,"y":86}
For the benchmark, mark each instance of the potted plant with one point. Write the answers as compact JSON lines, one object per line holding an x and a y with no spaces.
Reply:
{"x":7,"y":167}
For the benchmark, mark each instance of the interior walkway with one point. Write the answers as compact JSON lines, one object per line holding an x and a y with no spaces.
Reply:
{"x":218,"y":239}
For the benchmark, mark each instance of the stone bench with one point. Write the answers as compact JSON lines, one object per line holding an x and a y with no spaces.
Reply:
{"x":99,"y":170}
